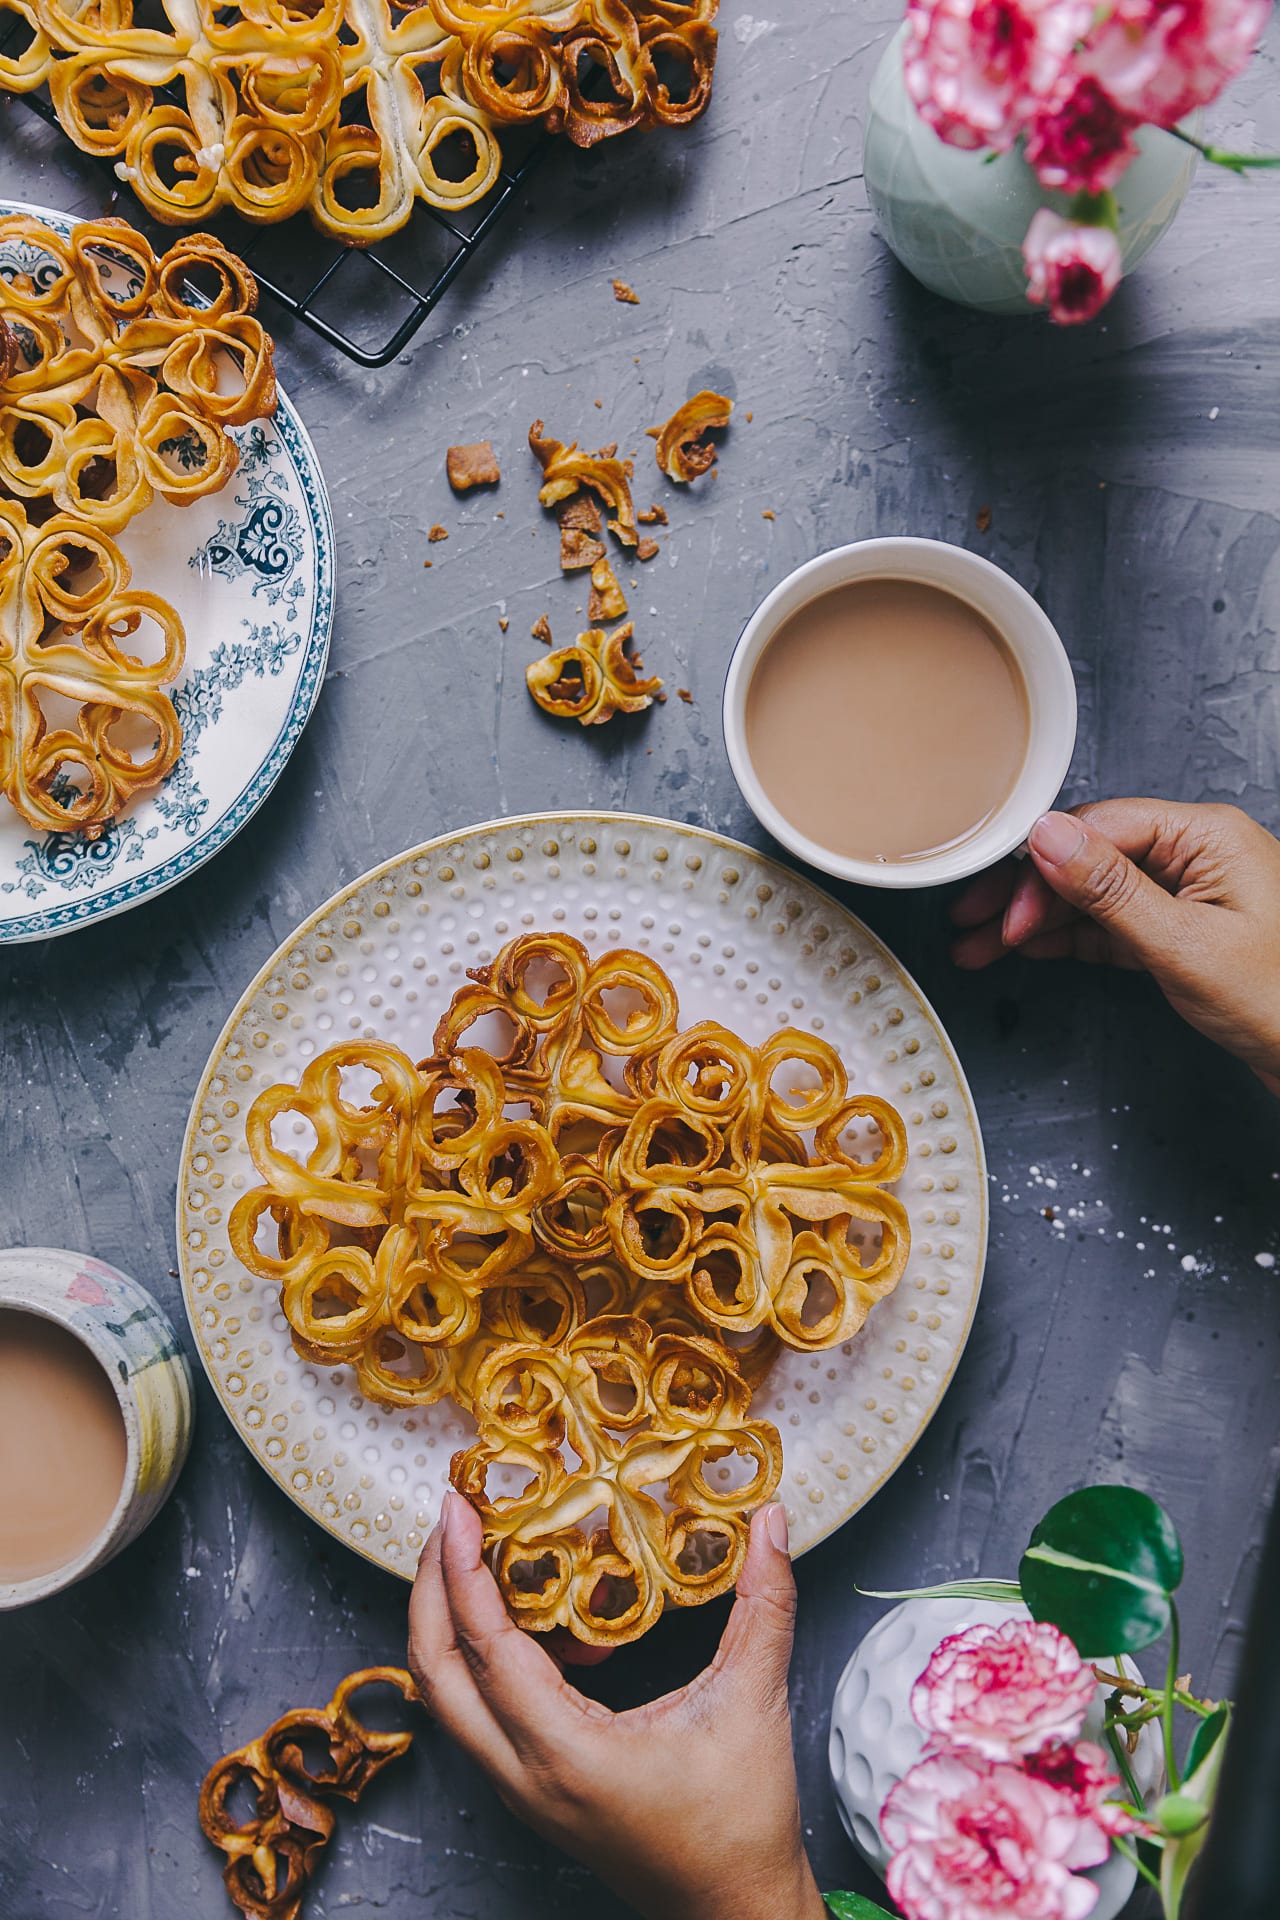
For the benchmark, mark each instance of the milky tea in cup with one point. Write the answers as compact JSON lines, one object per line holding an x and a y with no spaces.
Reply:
{"x":939,"y":712}
{"x":95,"y":1417}
{"x":899,"y":712}
{"x":63,"y":1447}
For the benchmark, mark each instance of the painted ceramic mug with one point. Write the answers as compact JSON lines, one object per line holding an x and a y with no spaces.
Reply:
{"x":137,"y":1349}
{"x":1030,"y":637}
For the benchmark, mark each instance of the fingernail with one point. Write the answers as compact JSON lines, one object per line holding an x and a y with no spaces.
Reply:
{"x":446,"y":1508}
{"x":1012,"y":931}
{"x":775,"y":1521}
{"x":1056,"y":837}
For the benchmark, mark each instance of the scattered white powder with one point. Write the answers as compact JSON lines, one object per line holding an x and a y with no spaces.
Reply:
{"x":1086,"y":1214}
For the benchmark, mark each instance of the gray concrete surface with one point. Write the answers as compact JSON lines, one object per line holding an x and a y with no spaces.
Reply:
{"x":1132,"y":470}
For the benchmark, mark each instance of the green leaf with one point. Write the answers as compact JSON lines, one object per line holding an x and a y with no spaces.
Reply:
{"x":1102,"y":1566}
{"x":1201,"y":1784}
{"x":854,"y":1906}
{"x":1207,"y":1734}
{"x":1006,"y":1590}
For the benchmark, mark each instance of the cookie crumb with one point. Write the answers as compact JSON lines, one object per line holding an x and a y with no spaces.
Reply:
{"x":685,"y":695}
{"x":627,"y":295}
{"x":541,"y":630}
{"x":438,"y":533}
{"x":768,"y":514}
{"x":983,"y":521}
{"x":646,"y":549}
{"x":503,"y":622}
{"x":474,"y":465}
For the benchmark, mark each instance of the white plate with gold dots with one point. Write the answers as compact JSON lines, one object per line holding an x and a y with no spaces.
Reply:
{"x":745,"y":942}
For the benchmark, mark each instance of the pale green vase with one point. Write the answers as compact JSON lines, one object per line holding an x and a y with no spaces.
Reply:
{"x":956,"y":220}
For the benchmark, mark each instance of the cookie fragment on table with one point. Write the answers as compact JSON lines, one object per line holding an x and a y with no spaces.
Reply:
{"x":683,"y":451}
{"x":580,"y":526}
{"x":593,"y":679}
{"x":607,"y":600}
{"x":473,"y":465}
{"x":566,"y":470}
{"x":270,"y":1855}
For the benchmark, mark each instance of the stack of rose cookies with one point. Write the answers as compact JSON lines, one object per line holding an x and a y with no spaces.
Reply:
{"x":121,"y":377}
{"x":594,"y":1232}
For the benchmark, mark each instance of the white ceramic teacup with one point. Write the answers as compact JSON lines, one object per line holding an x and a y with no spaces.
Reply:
{"x":1030,"y":637}
{"x":134,"y":1342}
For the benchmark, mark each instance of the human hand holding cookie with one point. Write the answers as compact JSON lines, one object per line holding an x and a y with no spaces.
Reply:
{"x":687,"y":1807}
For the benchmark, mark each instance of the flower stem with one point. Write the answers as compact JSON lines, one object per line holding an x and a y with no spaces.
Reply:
{"x":1134,"y":1691}
{"x":1166,"y":1710}
{"x":1131,"y":1722}
{"x":1122,"y":1761}
{"x":1235,"y":162}
{"x":1131,"y":1854}
{"x":1095,"y":209}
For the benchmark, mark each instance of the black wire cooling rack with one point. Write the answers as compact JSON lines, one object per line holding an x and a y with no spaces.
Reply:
{"x":368,"y":302}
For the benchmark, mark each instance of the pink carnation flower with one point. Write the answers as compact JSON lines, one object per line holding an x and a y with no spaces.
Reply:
{"x":1158,"y":59}
{"x":976,"y":1841}
{"x":978,"y":70}
{"x":1085,"y":146}
{"x":1075,"y":269}
{"x":1004,"y":1691}
{"x":1084,"y":1772}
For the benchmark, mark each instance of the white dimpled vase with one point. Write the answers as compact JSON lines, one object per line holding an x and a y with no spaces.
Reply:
{"x":875,"y":1740}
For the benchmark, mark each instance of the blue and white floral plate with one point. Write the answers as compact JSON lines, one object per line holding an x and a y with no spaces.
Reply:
{"x":250,"y":571}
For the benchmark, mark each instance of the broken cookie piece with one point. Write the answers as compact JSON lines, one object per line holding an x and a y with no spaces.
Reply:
{"x":593,"y":679}
{"x":683,"y":452}
{"x":475,"y":465}
{"x":578,"y":550}
{"x":566,"y":470}
{"x":607,"y":601}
